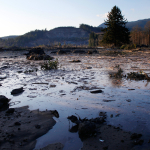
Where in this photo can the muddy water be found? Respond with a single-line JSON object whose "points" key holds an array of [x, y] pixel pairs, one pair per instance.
{"points": [[129, 108]]}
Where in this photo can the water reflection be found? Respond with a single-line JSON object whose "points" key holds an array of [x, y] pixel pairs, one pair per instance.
{"points": [[134, 114]]}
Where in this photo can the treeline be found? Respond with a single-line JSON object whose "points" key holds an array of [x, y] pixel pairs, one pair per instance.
{"points": [[138, 36], [24, 39], [141, 36], [90, 29]]}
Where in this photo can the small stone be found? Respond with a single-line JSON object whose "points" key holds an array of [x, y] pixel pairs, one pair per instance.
{"points": [[17, 91], [96, 91], [117, 115], [17, 123], [111, 116]]}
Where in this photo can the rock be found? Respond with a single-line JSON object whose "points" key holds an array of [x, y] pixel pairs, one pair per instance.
{"points": [[4, 100], [1, 105], [73, 119], [52, 85], [39, 57], [55, 113], [17, 123], [86, 129], [75, 61], [88, 67], [105, 100], [37, 54], [111, 116], [17, 91], [128, 100], [90, 52], [102, 114], [10, 111], [96, 91], [36, 51], [131, 89]]}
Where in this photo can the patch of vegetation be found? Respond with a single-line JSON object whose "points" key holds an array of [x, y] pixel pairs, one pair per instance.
{"points": [[138, 76], [93, 40], [114, 53], [49, 65], [118, 74], [128, 46]]}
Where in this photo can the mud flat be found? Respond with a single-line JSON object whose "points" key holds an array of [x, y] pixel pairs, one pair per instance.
{"points": [[69, 90], [20, 129]]}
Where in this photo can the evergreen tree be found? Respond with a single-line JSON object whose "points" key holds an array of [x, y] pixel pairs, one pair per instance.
{"points": [[116, 32]]}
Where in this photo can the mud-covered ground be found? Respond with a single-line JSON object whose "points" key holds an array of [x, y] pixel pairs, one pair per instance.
{"points": [[68, 90]]}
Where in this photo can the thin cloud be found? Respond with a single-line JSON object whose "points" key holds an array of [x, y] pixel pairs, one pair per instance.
{"points": [[133, 9], [102, 15]]}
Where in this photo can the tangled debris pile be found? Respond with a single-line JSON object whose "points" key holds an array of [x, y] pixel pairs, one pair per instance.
{"points": [[132, 75], [37, 54], [138, 76], [118, 74], [87, 127]]}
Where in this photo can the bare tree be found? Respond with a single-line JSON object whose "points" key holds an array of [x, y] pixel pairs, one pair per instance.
{"points": [[147, 30]]}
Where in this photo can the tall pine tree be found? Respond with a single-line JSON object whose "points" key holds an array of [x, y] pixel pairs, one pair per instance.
{"points": [[116, 32]]}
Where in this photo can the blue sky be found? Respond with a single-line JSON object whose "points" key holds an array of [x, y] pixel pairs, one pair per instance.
{"points": [[20, 16]]}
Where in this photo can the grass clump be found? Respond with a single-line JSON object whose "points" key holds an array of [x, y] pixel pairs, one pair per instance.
{"points": [[49, 65], [118, 74], [138, 76], [128, 46]]}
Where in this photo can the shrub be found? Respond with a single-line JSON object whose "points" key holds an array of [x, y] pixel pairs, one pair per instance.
{"points": [[128, 46], [118, 74], [122, 47], [48, 65]]}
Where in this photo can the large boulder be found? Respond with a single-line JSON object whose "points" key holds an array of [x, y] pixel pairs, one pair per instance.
{"points": [[17, 91], [37, 54], [3, 102]]}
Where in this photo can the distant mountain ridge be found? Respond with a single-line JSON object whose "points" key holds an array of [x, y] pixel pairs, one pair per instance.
{"points": [[141, 23], [63, 35], [10, 36]]}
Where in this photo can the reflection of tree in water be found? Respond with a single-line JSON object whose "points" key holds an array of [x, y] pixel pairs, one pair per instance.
{"points": [[116, 82]]}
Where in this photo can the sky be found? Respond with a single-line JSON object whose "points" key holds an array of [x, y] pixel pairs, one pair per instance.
{"points": [[18, 17]]}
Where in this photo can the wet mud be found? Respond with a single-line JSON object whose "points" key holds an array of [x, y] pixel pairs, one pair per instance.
{"points": [[83, 89]]}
